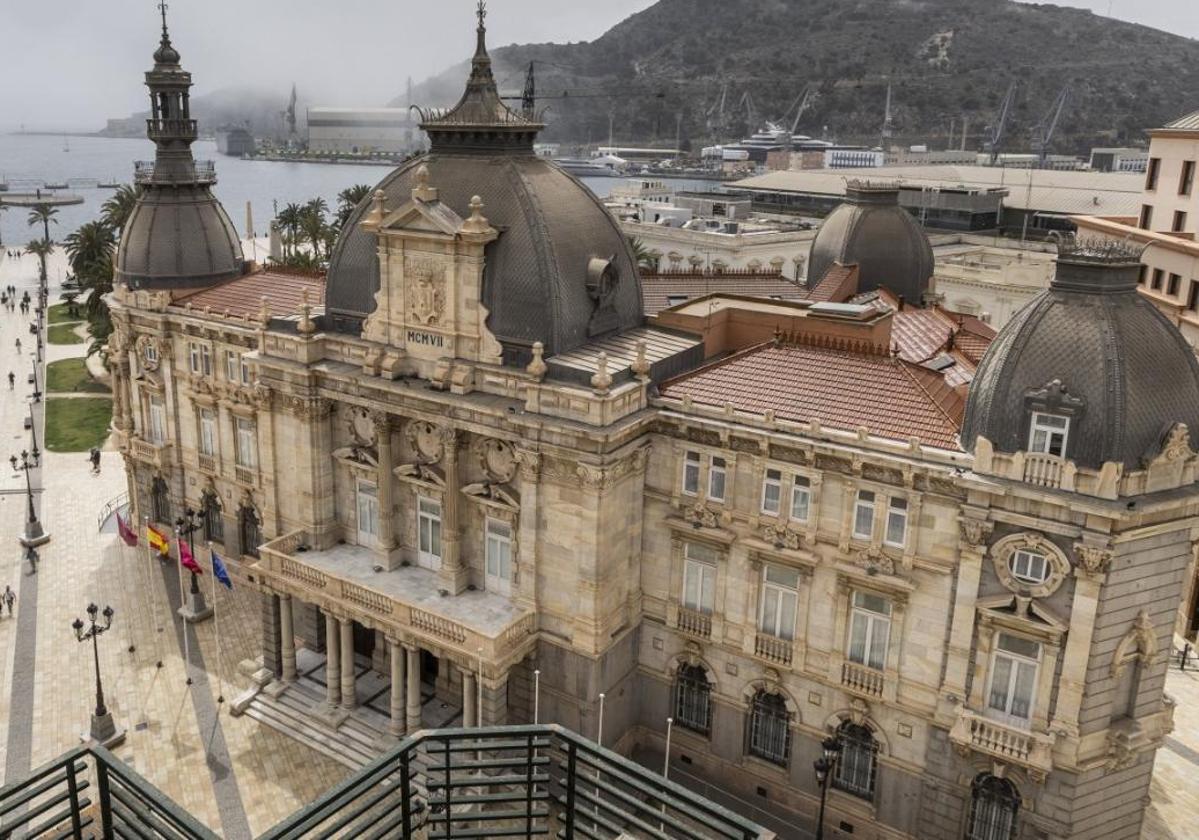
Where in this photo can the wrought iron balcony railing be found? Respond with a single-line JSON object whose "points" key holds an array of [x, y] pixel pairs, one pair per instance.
{"points": [[513, 781], [170, 128], [197, 172]]}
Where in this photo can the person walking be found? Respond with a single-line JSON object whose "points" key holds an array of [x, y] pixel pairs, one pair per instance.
{"points": [[12, 380], [18, 345], [94, 457], [10, 598]]}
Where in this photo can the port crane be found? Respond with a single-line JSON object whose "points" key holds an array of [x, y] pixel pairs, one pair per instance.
{"points": [[1048, 125], [800, 104], [998, 131]]}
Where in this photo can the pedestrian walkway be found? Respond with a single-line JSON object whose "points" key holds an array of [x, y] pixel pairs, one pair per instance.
{"points": [[1174, 794]]}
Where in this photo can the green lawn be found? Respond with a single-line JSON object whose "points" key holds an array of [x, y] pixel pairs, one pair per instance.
{"points": [[58, 313], [77, 424], [69, 375], [63, 334]]}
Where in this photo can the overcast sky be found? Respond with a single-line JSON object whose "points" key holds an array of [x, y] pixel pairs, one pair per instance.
{"points": [[68, 64]]}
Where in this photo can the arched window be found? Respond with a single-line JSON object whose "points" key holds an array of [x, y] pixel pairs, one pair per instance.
{"points": [[857, 765], [214, 525], [250, 530], [160, 500], [769, 728], [693, 699], [994, 803]]}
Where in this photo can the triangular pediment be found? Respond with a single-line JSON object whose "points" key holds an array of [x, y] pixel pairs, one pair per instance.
{"points": [[423, 217], [1023, 609]]}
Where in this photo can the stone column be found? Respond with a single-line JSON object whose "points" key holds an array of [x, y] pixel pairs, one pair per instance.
{"points": [[287, 638], [271, 654], [349, 697], [413, 692], [453, 573], [397, 725], [332, 661], [385, 478], [468, 699]]}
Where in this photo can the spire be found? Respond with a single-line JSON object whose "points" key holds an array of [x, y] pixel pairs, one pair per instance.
{"points": [[165, 54]]}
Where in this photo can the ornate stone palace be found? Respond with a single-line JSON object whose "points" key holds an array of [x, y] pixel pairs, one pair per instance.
{"points": [[465, 466]]}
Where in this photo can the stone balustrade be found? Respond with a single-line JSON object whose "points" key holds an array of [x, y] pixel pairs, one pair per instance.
{"points": [[773, 649], [206, 463], [245, 475], [158, 454], [694, 623], [858, 679], [1033, 750]]}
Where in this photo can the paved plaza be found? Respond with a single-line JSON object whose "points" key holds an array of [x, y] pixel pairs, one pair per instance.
{"points": [[234, 773]]}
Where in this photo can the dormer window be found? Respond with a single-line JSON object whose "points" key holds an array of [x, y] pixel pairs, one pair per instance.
{"points": [[1048, 433]]}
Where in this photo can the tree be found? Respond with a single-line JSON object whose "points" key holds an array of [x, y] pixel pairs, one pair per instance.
{"points": [[348, 199], [312, 224], [289, 220], [43, 214], [90, 250], [641, 255], [119, 207], [40, 248]]}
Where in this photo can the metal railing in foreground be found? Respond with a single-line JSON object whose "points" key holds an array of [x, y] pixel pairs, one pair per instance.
{"points": [[88, 793], [442, 784]]}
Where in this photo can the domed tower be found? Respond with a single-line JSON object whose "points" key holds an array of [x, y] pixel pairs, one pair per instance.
{"points": [[1089, 371], [178, 236], [872, 231], [558, 271]]}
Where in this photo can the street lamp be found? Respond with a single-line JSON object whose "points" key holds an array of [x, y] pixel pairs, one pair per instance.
{"points": [[195, 609], [37, 393], [103, 729], [825, 766], [35, 454], [34, 535]]}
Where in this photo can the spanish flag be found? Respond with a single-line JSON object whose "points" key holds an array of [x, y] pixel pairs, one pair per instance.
{"points": [[158, 540]]}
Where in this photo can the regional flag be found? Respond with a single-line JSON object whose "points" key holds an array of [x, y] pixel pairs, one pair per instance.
{"points": [[158, 540], [187, 561], [128, 535], [219, 571]]}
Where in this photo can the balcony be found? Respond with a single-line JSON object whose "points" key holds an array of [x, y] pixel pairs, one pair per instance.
{"points": [[245, 475], [858, 679], [1046, 471], [202, 172], [1033, 750], [156, 129], [694, 622], [773, 649], [206, 463], [408, 598], [156, 454]]}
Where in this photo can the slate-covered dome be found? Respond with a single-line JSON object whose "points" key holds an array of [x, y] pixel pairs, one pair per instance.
{"points": [[873, 231], [539, 283], [1091, 348]]}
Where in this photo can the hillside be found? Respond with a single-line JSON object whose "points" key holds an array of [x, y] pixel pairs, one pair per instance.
{"points": [[945, 59]]}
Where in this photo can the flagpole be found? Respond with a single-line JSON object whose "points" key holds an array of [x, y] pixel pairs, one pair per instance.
{"points": [[128, 610], [187, 653], [150, 593], [216, 631]]}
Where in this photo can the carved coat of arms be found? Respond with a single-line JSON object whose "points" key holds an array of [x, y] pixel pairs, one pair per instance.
{"points": [[426, 292]]}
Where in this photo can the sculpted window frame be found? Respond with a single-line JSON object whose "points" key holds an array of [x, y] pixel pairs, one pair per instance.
{"points": [[1004, 551]]}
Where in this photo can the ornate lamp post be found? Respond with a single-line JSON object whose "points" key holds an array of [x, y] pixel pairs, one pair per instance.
{"points": [[34, 535], [37, 391], [194, 608], [824, 766], [103, 729], [36, 453]]}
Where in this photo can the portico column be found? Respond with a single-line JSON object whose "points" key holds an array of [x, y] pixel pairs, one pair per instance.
{"points": [[468, 699], [413, 692], [385, 478], [287, 638], [398, 660], [349, 697], [332, 660]]}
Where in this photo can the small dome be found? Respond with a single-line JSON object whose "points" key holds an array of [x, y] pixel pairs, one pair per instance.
{"points": [[1092, 349], [871, 230]]}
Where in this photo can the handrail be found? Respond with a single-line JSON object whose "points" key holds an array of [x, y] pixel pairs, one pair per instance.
{"points": [[113, 504]]}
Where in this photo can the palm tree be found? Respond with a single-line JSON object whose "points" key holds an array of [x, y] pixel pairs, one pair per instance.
{"points": [[641, 254], [90, 250], [312, 224], [289, 220], [348, 199], [43, 214], [116, 210], [40, 248]]}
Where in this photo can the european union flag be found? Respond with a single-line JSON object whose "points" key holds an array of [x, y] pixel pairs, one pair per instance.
{"points": [[219, 571]]}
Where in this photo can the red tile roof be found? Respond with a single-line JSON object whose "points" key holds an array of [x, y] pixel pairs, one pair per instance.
{"points": [[242, 296], [842, 388], [658, 289], [838, 284]]}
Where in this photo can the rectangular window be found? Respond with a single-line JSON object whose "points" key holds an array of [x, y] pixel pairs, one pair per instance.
{"points": [[1029, 567], [1180, 221], [716, 477], [1187, 179], [205, 360], [1172, 286], [869, 630], [368, 513], [232, 365], [1154, 167], [1193, 297], [428, 526], [897, 522], [780, 601], [158, 419], [863, 515], [1047, 435], [245, 370], [1013, 679], [691, 473], [499, 557], [247, 443], [772, 492], [1146, 216], [699, 577], [1158, 274], [801, 498], [207, 431], [1144, 273], [193, 357]]}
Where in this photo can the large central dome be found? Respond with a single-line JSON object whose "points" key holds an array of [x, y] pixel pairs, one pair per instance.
{"points": [[540, 280]]}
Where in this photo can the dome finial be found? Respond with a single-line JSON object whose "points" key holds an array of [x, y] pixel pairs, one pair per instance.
{"points": [[165, 54]]}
